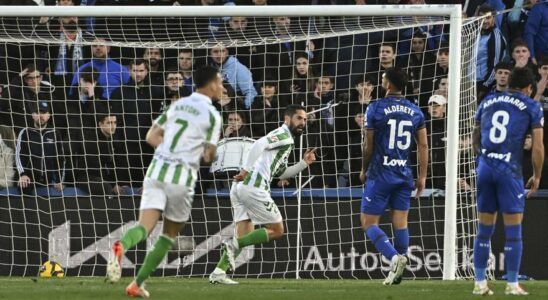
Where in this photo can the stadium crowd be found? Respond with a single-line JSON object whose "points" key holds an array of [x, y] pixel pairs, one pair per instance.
{"points": [[75, 115]]}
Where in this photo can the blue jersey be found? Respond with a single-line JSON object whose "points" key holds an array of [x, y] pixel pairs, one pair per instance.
{"points": [[505, 119], [395, 122]]}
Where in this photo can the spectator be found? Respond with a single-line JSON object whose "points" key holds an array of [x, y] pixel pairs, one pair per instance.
{"points": [[349, 172], [236, 125], [39, 152], [386, 60], [420, 61], [517, 18], [364, 91], [542, 84], [536, 30], [154, 56], [112, 75], [103, 167], [527, 165], [280, 57], [141, 104], [233, 72], [502, 74], [7, 151], [175, 86], [267, 110], [491, 51], [521, 56], [26, 91], [186, 67], [436, 125], [64, 60], [228, 102], [304, 79], [432, 77]]}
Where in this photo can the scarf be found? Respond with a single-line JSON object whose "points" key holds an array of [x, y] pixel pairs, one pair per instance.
{"points": [[61, 66]]}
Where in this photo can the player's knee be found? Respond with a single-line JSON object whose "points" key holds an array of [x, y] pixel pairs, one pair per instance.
{"points": [[276, 232]]}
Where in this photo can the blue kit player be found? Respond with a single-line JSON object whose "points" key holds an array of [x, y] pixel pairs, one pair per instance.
{"points": [[502, 122], [391, 124]]}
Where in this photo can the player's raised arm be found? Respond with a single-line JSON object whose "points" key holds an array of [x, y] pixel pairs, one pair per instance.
{"points": [[538, 160], [155, 135]]}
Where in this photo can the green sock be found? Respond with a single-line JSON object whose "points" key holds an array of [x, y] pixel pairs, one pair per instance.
{"points": [[133, 236], [154, 258], [223, 262], [257, 236]]}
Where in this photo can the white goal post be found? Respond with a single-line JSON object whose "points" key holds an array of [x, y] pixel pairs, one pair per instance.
{"points": [[453, 13]]}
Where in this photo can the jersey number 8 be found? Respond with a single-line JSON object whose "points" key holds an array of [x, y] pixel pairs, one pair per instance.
{"points": [[498, 132]]}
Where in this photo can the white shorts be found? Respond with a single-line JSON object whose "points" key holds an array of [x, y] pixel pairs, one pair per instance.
{"points": [[173, 199], [255, 204]]}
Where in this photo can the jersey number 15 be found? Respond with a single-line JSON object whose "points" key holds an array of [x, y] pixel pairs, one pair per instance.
{"points": [[403, 135]]}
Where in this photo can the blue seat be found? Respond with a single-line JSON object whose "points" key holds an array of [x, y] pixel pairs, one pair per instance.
{"points": [[11, 191]]}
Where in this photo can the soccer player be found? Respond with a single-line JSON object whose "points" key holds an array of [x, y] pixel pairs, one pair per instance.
{"points": [[390, 125], [502, 122], [250, 196], [187, 132]]}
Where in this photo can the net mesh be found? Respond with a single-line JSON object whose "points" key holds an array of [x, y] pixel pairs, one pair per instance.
{"points": [[100, 110]]}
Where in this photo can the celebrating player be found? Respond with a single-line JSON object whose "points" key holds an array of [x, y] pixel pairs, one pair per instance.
{"points": [[390, 125], [502, 122], [185, 133], [250, 198]]}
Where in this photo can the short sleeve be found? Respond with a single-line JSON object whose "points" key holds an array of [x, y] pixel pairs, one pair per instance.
{"points": [[479, 112], [161, 120], [420, 120], [214, 130], [369, 120], [537, 115]]}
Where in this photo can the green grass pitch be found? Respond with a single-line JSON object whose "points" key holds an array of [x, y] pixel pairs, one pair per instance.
{"points": [[256, 289]]}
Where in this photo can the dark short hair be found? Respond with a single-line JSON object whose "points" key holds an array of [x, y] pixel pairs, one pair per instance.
{"points": [[239, 113], [391, 45], [204, 75], [30, 69], [444, 48], [521, 78], [504, 66], [292, 109], [419, 35], [100, 118], [485, 8], [366, 78], [519, 43], [397, 77], [89, 75], [172, 71], [269, 81], [138, 62], [185, 50]]}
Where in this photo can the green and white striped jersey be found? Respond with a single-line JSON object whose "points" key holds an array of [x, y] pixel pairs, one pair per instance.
{"points": [[272, 162], [188, 124]]}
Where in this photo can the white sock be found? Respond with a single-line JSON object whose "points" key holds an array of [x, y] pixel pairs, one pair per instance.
{"points": [[513, 284], [394, 259], [219, 271], [481, 283]]}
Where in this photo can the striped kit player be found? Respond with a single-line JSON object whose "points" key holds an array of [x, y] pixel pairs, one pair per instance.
{"points": [[185, 134], [251, 201]]}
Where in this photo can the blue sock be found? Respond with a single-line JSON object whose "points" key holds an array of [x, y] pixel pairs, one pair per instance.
{"points": [[401, 240], [512, 251], [381, 242], [482, 247]]}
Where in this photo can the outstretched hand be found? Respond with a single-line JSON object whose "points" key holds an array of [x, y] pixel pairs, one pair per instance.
{"points": [[310, 156], [240, 176]]}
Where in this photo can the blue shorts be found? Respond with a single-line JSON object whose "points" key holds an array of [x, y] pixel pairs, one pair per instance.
{"points": [[380, 194], [499, 192]]}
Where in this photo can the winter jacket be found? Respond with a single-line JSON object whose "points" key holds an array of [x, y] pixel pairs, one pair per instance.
{"points": [[7, 151], [239, 78], [536, 29], [39, 155], [112, 75], [496, 52]]}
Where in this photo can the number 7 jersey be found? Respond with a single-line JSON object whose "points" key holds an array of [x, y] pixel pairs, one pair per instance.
{"points": [[505, 119], [395, 122], [188, 124]]}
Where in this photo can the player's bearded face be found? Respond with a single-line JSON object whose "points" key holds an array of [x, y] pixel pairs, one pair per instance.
{"points": [[297, 123]]}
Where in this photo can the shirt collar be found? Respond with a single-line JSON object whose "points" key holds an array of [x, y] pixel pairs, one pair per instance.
{"points": [[286, 128], [202, 97]]}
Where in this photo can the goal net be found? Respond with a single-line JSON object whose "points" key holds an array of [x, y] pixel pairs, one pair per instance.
{"points": [[79, 93]]}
